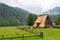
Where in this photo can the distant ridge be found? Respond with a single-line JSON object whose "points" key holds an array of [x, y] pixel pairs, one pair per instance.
{"points": [[54, 11], [12, 15]]}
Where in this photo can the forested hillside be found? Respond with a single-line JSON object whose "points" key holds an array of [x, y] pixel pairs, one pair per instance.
{"points": [[53, 13], [12, 15]]}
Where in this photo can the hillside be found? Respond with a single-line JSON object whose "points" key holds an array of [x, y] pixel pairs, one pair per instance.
{"points": [[53, 17], [54, 11], [12, 15]]}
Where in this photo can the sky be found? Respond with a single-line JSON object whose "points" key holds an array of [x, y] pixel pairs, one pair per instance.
{"points": [[33, 6]]}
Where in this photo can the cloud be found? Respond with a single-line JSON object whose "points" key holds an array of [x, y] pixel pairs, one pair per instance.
{"points": [[45, 4], [32, 5], [9, 2]]}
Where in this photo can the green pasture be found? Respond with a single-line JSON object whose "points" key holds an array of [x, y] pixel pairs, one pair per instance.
{"points": [[49, 33], [14, 32]]}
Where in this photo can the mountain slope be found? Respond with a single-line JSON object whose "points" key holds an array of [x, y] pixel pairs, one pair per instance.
{"points": [[12, 15], [54, 11]]}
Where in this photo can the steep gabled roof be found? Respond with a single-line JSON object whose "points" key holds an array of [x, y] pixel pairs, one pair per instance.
{"points": [[41, 18]]}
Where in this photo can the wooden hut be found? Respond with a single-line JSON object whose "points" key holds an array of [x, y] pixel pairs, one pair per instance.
{"points": [[43, 21]]}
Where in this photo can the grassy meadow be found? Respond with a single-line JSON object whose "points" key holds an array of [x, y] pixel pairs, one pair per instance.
{"points": [[49, 33], [12, 31]]}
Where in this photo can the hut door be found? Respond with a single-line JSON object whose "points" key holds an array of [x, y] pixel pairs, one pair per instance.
{"points": [[38, 24]]}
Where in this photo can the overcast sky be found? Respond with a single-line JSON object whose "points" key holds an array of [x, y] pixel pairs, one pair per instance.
{"points": [[34, 6]]}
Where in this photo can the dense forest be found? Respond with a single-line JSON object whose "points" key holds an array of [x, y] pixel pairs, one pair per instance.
{"points": [[12, 15]]}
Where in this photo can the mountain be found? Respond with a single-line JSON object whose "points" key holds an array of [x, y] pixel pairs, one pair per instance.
{"points": [[12, 15], [54, 11]]}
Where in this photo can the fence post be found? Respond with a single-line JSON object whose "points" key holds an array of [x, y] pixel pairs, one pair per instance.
{"points": [[2, 37], [23, 37], [41, 34], [10, 38]]}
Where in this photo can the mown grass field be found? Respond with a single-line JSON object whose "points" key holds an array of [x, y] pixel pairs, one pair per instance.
{"points": [[14, 32], [49, 33]]}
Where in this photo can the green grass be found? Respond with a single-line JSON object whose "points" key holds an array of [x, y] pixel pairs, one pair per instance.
{"points": [[50, 33], [14, 32]]}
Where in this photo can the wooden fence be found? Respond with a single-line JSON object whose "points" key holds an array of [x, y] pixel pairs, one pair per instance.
{"points": [[23, 37]]}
